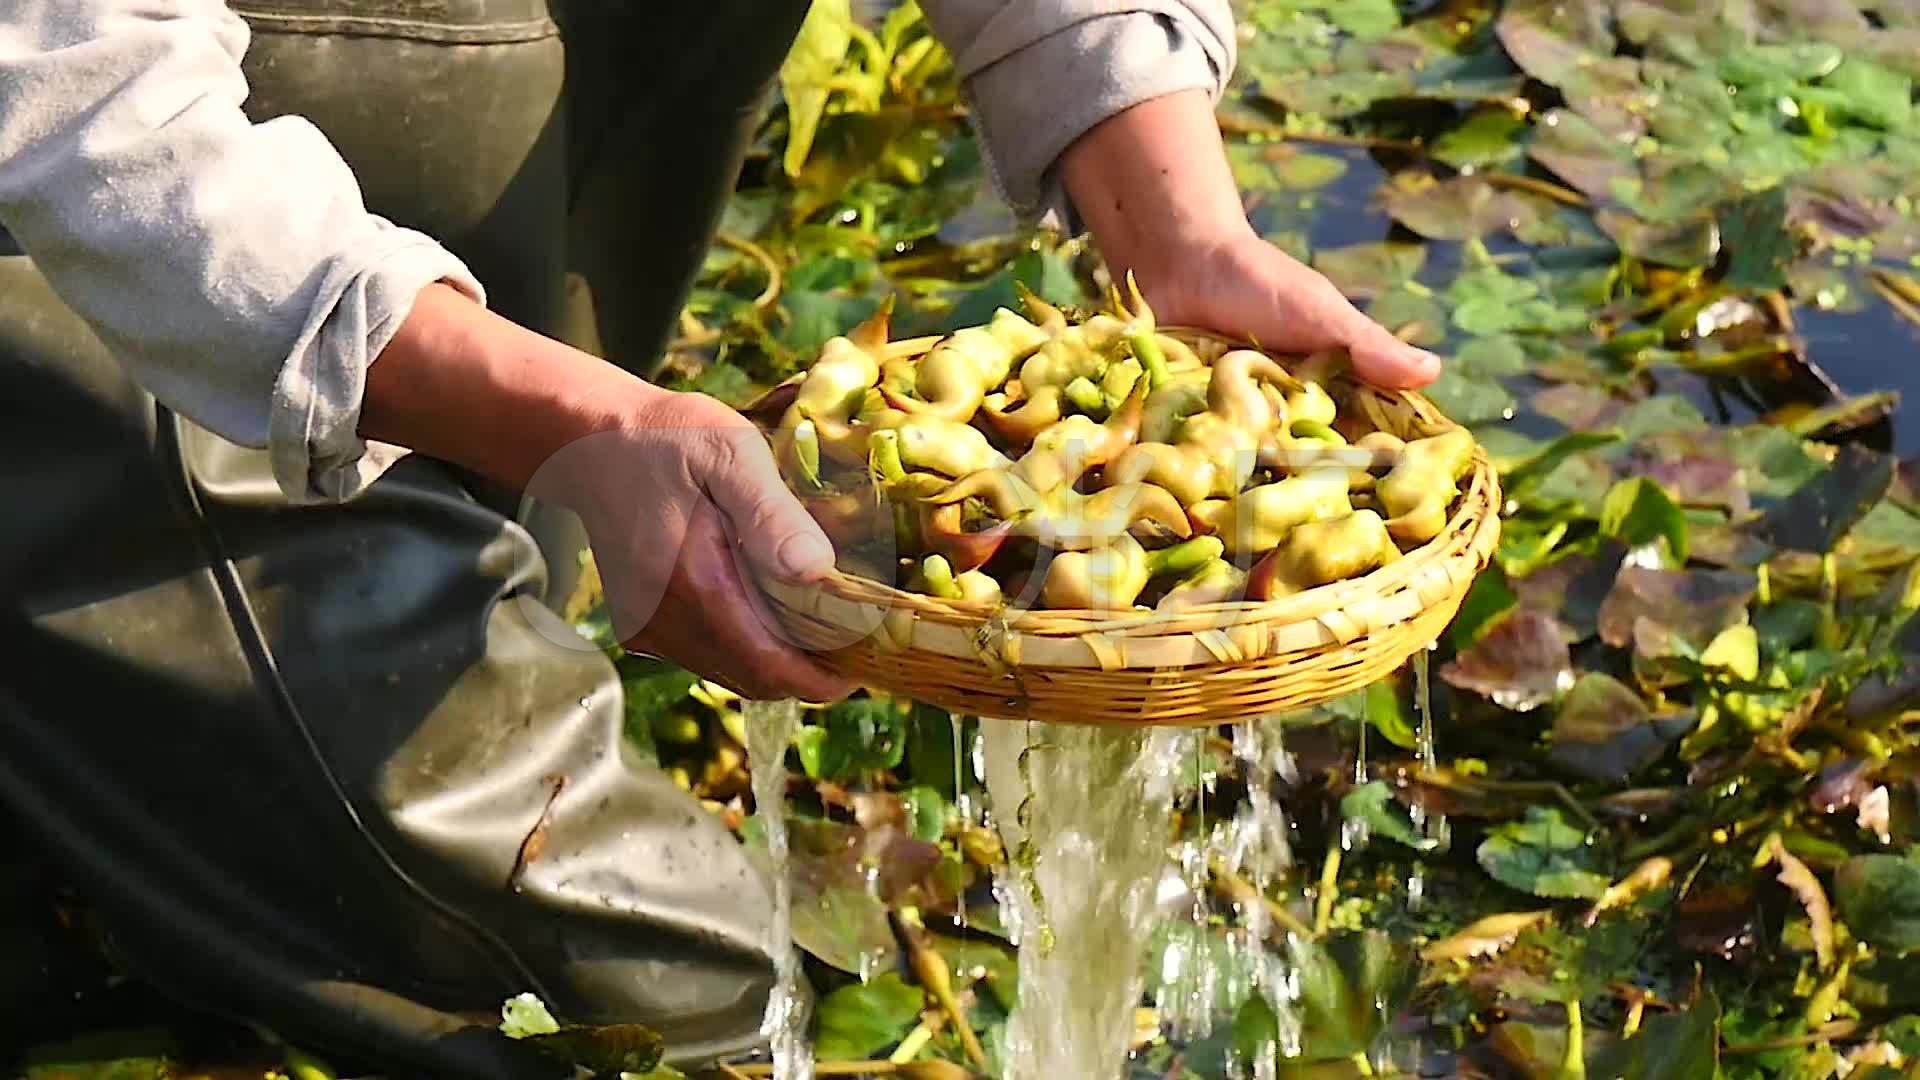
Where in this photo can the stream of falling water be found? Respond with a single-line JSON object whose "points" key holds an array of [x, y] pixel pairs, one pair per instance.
{"points": [[1431, 827], [1084, 814], [770, 727]]}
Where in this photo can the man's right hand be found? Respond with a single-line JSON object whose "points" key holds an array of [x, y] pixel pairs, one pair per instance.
{"points": [[679, 494]]}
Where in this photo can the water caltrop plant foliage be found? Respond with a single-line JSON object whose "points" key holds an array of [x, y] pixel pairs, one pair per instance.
{"points": [[1672, 757], [1667, 822]]}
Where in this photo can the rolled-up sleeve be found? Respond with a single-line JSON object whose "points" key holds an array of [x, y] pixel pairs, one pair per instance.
{"points": [[231, 266], [1040, 73]]}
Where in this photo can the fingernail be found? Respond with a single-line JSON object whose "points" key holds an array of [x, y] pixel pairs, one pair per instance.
{"points": [[1427, 363], [805, 556]]}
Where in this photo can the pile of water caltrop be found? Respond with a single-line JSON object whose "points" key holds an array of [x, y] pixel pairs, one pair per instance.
{"points": [[1085, 815]]}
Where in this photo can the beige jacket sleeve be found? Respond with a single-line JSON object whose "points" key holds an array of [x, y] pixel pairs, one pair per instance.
{"points": [[230, 266], [1039, 73]]}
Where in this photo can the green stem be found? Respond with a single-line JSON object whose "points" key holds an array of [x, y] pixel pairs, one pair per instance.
{"points": [[1185, 557], [1329, 889], [937, 575], [1146, 349], [1085, 396], [1574, 1065]]}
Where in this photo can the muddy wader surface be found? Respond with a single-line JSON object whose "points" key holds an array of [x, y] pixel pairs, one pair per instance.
{"points": [[291, 755]]}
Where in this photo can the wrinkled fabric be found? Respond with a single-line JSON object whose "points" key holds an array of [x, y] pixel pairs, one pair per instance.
{"points": [[233, 266], [1041, 74]]}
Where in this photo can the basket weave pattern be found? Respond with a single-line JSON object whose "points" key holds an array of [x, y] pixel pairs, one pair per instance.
{"points": [[1204, 665]]}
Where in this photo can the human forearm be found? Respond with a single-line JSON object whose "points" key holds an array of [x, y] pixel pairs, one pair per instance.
{"points": [[1040, 73], [462, 384], [1152, 183]]}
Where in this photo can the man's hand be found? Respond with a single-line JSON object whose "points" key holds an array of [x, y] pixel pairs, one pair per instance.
{"points": [[1154, 185], [679, 494]]}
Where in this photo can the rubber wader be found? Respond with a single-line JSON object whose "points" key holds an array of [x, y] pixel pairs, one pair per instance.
{"points": [[292, 755]]}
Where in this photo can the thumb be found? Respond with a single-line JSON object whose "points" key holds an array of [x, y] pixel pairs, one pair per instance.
{"points": [[777, 534], [1389, 363]]}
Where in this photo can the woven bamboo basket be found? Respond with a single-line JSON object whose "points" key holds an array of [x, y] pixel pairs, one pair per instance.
{"points": [[1200, 666]]}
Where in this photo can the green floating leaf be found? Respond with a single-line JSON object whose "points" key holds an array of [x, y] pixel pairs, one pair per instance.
{"points": [[1523, 477], [1604, 732], [1462, 208], [1638, 511], [1581, 154], [1490, 136], [1373, 804], [1758, 244], [1545, 856], [1364, 271], [1552, 41], [1871, 94], [807, 71], [1414, 317], [1878, 897], [857, 1020], [1669, 1045]]}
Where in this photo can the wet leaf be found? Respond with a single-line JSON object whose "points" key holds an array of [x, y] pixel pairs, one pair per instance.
{"points": [[1373, 804], [861, 1019], [1680, 244], [1827, 507], [1462, 208], [1878, 897], [984, 961], [1488, 137], [1520, 663], [1551, 40], [1484, 937], [1697, 604], [1523, 477], [1414, 318], [1351, 986], [1387, 712], [1364, 271], [1603, 730], [855, 736], [1489, 597], [1759, 247], [1639, 511], [1871, 94], [1581, 154], [810, 66], [1544, 855], [1674, 1044], [1575, 586]]}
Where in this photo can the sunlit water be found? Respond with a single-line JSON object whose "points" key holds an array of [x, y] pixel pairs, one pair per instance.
{"points": [[1084, 813], [770, 727]]}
